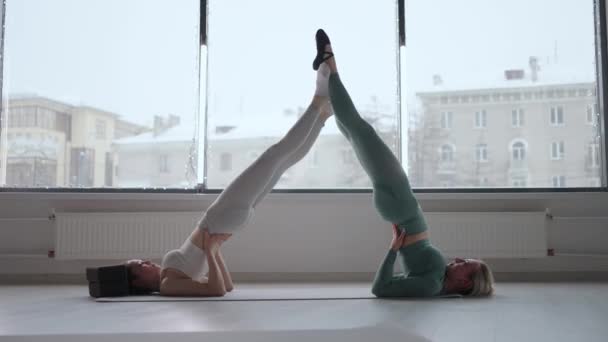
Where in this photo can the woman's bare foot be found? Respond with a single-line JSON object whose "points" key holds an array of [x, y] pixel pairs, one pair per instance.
{"points": [[330, 59]]}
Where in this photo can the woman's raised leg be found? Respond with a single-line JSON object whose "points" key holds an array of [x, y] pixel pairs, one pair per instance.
{"points": [[393, 195]]}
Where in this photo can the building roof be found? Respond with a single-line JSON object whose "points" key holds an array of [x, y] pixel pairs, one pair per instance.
{"points": [[28, 99], [548, 75], [248, 128]]}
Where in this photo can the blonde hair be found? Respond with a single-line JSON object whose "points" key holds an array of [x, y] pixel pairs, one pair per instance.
{"points": [[483, 282]]}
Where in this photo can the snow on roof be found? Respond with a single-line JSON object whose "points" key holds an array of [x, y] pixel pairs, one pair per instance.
{"points": [[178, 133], [251, 127], [548, 75]]}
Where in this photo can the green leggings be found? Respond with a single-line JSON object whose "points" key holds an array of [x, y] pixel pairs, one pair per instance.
{"points": [[393, 196]]}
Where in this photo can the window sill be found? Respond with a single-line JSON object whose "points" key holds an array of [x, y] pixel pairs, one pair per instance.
{"points": [[435, 194]]}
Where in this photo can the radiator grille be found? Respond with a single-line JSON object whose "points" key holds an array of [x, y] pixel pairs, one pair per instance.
{"points": [[489, 234], [121, 235]]}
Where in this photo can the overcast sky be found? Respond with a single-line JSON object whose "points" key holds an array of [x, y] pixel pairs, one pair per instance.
{"points": [[139, 58]]}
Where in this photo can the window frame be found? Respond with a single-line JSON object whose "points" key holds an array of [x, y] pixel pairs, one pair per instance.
{"points": [[522, 152], [481, 119], [590, 114], [600, 32], [517, 118], [555, 109], [452, 151], [557, 150], [481, 153], [558, 181], [447, 119], [225, 162], [163, 163]]}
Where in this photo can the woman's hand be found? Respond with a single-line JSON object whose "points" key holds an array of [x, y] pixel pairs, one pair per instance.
{"points": [[210, 243], [214, 241], [219, 238], [398, 239], [222, 237]]}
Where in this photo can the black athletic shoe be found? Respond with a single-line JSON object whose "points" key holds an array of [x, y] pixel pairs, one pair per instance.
{"points": [[322, 40]]}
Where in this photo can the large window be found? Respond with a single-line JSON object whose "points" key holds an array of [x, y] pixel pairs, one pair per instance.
{"points": [[121, 94], [517, 80], [93, 87], [261, 80]]}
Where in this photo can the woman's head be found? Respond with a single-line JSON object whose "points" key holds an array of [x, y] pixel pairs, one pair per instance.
{"points": [[144, 275], [470, 277]]}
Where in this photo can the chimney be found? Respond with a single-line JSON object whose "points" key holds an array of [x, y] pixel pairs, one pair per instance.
{"points": [[437, 81], [534, 68], [159, 124], [162, 124], [222, 129], [173, 121], [514, 74]]}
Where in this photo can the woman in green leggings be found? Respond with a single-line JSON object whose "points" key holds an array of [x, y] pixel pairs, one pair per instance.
{"points": [[427, 273]]}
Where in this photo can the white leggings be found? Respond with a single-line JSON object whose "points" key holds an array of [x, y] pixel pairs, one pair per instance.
{"points": [[234, 207]]}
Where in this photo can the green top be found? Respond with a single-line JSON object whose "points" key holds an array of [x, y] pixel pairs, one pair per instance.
{"points": [[424, 268]]}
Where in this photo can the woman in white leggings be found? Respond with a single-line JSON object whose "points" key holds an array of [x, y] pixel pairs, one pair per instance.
{"points": [[182, 271]]}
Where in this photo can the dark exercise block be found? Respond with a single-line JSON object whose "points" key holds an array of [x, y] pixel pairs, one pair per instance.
{"points": [[116, 273], [108, 289], [108, 281]]}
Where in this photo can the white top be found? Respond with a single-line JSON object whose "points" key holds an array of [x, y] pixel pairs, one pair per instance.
{"points": [[189, 259]]}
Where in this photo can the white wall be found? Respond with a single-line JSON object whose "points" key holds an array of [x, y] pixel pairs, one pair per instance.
{"points": [[313, 233]]}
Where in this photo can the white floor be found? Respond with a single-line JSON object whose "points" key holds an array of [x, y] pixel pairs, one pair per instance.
{"points": [[518, 312]]}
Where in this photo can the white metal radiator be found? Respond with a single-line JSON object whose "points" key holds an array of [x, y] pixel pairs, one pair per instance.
{"points": [[126, 235], [489, 234], [121, 235]]}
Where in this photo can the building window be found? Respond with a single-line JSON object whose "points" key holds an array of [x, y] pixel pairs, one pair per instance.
{"points": [[82, 167], [31, 172], [446, 120], [557, 116], [109, 171], [592, 114], [557, 150], [519, 182], [517, 117], [348, 156], [518, 151], [481, 119], [559, 181], [163, 163], [481, 153], [100, 129], [225, 162], [313, 159], [447, 153], [594, 155]]}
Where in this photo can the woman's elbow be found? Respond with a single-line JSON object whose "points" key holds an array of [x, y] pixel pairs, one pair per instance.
{"points": [[378, 291], [219, 292]]}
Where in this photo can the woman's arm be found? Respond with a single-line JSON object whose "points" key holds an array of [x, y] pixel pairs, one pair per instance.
{"points": [[384, 275], [400, 286], [215, 280], [187, 287], [225, 273]]}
